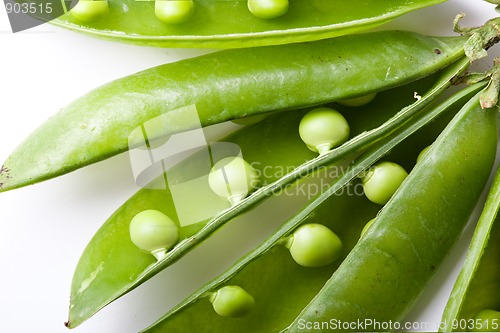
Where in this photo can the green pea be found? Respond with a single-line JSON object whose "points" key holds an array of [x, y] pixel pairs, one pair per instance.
{"points": [[233, 178], [232, 301], [487, 321], [422, 153], [153, 231], [367, 226], [90, 10], [358, 101], [268, 9], [174, 11], [322, 129], [382, 181], [314, 245]]}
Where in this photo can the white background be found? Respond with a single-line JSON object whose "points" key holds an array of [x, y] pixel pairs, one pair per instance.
{"points": [[45, 227]]}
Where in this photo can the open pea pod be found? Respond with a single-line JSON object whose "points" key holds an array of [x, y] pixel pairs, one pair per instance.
{"points": [[214, 88], [474, 304], [229, 23], [103, 276], [286, 288], [386, 271]]}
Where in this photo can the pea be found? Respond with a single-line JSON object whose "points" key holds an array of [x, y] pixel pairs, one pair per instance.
{"points": [[382, 181], [268, 9], [358, 101], [232, 301], [90, 10], [322, 129], [314, 245], [272, 142], [252, 139], [487, 321], [439, 196], [367, 226], [282, 275], [422, 153], [474, 296], [152, 231], [249, 120], [233, 178], [174, 11]]}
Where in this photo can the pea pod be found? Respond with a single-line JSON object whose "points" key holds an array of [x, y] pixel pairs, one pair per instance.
{"points": [[230, 24], [399, 254], [478, 284], [218, 87], [110, 283], [286, 288]]}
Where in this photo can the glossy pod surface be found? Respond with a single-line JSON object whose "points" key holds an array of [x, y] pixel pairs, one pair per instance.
{"points": [[280, 286], [278, 133], [276, 307], [385, 272], [478, 284], [230, 24], [222, 86]]}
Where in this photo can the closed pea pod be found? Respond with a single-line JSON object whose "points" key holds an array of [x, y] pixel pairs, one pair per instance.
{"points": [[474, 304], [398, 252], [218, 87]]}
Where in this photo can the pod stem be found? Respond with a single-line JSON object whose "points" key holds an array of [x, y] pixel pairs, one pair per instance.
{"points": [[489, 96], [481, 38]]}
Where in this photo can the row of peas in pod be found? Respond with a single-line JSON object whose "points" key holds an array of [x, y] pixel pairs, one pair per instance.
{"points": [[228, 24], [314, 266], [175, 11]]}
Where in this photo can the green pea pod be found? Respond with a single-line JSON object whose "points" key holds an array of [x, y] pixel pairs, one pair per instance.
{"points": [[230, 24], [278, 131], [286, 288], [113, 279], [478, 284], [218, 87], [385, 272]]}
